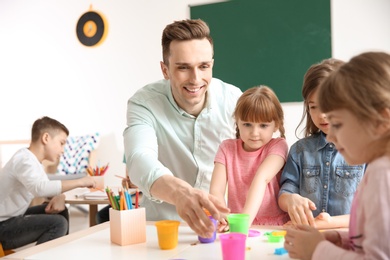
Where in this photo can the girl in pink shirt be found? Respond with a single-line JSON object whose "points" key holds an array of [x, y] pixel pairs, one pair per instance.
{"points": [[250, 166], [356, 100]]}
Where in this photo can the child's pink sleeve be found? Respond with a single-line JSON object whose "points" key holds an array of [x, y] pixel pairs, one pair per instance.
{"points": [[279, 147], [328, 250]]}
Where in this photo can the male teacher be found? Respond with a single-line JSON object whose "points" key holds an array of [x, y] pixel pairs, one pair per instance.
{"points": [[174, 128]]}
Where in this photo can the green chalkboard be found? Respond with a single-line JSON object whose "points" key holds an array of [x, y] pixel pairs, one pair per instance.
{"points": [[267, 42]]}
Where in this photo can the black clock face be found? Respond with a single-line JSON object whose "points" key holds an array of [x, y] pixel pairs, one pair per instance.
{"points": [[90, 29]]}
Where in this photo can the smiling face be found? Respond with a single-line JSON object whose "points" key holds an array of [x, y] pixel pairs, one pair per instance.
{"points": [[319, 118], [190, 72], [351, 137], [255, 135]]}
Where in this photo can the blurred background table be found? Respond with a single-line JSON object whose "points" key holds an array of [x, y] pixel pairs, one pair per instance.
{"points": [[75, 197]]}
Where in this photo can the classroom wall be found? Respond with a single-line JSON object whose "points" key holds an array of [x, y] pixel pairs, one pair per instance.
{"points": [[44, 70]]}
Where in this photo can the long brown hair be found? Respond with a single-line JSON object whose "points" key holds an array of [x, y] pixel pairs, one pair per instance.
{"points": [[314, 76]]}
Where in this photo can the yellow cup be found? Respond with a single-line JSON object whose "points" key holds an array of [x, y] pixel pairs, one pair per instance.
{"points": [[167, 232]]}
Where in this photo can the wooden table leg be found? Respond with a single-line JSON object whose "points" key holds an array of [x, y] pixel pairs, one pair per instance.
{"points": [[92, 214]]}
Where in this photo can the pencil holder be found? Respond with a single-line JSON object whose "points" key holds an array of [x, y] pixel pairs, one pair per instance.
{"points": [[128, 227], [99, 180]]}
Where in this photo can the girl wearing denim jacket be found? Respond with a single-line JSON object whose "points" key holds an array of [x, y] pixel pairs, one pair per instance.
{"points": [[317, 184]]}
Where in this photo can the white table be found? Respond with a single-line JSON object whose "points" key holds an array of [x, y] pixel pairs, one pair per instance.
{"points": [[95, 243]]}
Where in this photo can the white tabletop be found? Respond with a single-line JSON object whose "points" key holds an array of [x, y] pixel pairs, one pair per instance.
{"points": [[95, 243]]}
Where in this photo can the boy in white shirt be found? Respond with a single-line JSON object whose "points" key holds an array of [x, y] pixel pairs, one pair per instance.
{"points": [[23, 178]]}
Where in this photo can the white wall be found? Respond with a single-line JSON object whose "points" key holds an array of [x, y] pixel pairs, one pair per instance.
{"points": [[44, 70]]}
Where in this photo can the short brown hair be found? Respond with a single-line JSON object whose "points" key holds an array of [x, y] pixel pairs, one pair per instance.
{"points": [[183, 30], [46, 125], [259, 104]]}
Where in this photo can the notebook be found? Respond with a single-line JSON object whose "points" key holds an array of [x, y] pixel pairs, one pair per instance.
{"points": [[95, 195]]}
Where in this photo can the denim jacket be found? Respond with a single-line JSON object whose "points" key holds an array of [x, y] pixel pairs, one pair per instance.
{"points": [[317, 171]]}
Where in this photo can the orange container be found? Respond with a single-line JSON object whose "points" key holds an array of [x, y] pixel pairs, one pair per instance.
{"points": [[168, 233]]}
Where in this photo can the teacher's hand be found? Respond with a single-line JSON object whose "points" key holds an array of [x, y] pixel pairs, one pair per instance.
{"points": [[190, 206]]}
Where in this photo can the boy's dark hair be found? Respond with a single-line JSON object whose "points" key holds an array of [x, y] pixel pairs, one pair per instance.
{"points": [[183, 30], [46, 125]]}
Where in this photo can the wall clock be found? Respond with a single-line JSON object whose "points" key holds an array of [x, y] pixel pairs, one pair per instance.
{"points": [[91, 28]]}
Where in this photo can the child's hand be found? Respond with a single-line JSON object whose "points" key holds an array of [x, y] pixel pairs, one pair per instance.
{"points": [[87, 182], [56, 204], [333, 237], [323, 220], [301, 242], [300, 210], [288, 224], [223, 225]]}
